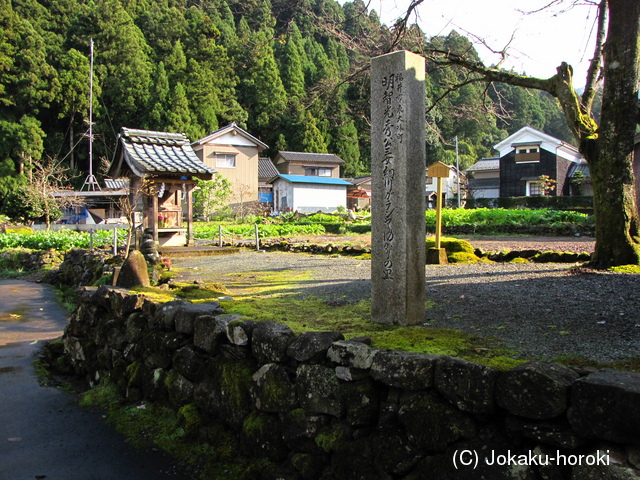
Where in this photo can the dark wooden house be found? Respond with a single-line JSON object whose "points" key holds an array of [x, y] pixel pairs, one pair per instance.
{"points": [[529, 154], [162, 169]]}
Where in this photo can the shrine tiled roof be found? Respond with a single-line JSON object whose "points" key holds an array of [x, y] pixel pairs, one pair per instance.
{"points": [[149, 152]]}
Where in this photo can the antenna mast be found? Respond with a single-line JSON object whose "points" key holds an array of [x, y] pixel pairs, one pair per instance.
{"points": [[91, 182]]}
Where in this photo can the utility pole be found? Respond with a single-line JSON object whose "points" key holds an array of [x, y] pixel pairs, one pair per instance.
{"points": [[90, 182]]}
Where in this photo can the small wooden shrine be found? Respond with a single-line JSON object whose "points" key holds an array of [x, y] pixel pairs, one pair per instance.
{"points": [[162, 169]]}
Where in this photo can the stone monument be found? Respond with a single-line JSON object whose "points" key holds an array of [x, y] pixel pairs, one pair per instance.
{"points": [[398, 188]]}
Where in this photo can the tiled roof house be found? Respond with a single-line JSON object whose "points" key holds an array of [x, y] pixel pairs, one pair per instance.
{"points": [[308, 164]]}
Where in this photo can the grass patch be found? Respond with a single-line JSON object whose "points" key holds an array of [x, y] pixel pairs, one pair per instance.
{"points": [[152, 425], [67, 297], [205, 291], [266, 296], [354, 320], [270, 282]]}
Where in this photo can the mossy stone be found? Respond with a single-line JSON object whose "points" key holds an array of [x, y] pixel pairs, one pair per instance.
{"points": [[432, 423], [134, 272], [190, 419]]}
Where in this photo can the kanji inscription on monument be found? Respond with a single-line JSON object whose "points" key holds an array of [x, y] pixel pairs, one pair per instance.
{"points": [[398, 188]]}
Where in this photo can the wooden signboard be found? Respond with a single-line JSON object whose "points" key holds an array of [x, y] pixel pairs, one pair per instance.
{"points": [[438, 170]]}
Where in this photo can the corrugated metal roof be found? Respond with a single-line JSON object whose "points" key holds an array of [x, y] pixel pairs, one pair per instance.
{"points": [[116, 183], [582, 167], [310, 157], [266, 168], [314, 180], [485, 164], [161, 152]]}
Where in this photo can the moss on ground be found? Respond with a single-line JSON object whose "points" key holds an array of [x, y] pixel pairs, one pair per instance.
{"points": [[152, 425], [458, 251], [630, 364], [204, 291], [632, 269], [270, 282]]}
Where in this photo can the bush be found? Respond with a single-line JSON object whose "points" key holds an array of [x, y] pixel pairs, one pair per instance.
{"points": [[209, 231], [61, 240], [526, 221]]}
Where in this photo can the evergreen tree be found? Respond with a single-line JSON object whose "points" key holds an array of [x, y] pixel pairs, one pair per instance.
{"points": [[121, 58], [311, 138], [201, 91], [222, 17], [345, 145], [73, 100], [179, 116], [293, 56], [158, 100], [176, 63], [261, 91]]}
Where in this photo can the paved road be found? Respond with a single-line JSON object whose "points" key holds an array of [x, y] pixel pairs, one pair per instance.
{"points": [[43, 432]]}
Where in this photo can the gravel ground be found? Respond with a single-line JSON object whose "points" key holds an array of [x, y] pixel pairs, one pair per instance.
{"points": [[540, 310]]}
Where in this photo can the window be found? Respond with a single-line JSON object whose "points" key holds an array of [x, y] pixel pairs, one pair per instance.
{"points": [[534, 189], [527, 154], [225, 160], [528, 150], [317, 172]]}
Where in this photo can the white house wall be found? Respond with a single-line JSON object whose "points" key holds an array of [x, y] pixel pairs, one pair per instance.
{"points": [[282, 195], [232, 139], [311, 198], [308, 198], [533, 136]]}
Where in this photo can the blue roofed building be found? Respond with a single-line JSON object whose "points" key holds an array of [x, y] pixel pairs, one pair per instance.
{"points": [[308, 194]]}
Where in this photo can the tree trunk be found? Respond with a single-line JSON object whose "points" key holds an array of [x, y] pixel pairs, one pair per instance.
{"points": [[610, 155]]}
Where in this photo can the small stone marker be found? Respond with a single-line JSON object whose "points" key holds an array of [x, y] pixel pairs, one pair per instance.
{"points": [[134, 271], [398, 188], [438, 255]]}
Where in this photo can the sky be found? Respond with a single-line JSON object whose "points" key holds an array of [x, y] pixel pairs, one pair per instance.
{"points": [[541, 41]]}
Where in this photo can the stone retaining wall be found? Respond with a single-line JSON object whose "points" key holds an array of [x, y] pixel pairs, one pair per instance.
{"points": [[314, 406]]}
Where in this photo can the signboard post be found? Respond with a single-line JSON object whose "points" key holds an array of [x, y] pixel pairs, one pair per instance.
{"points": [[438, 255]]}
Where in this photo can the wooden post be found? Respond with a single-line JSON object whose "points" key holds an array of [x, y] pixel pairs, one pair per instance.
{"points": [[154, 214], [220, 236], [190, 240], [438, 255], [257, 239], [439, 212]]}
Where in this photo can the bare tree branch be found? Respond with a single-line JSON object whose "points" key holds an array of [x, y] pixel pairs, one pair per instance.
{"points": [[594, 73], [400, 26]]}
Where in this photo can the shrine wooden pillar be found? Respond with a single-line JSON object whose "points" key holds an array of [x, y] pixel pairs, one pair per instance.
{"points": [[189, 199], [154, 215]]}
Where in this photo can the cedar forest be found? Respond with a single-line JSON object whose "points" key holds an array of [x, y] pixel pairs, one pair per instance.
{"points": [[292, 73]]}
